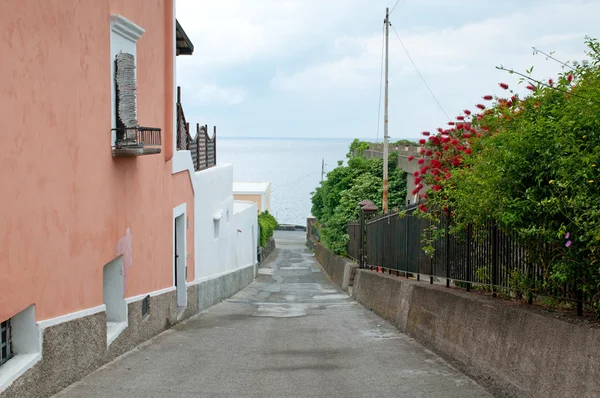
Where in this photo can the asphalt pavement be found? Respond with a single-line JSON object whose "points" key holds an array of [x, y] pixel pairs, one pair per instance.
{"points": [[291, 333]]}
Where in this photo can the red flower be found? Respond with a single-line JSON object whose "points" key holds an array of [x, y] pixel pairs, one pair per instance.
{"points": [[514, 98], [466, 135], [467, 112], [503, 85], [422, 151], [446, 147], [426, 133], [479, 117], [410, 158], [448, 175], [421, 161], [441, 130], [488, 97], [454, 141], [460, 126], [570, 77], [416, 173], [468, 151], [450, 123], [415, 191], [509, 103], [437, 179], [530, 87], [417, 180], [422, 141], [428, 153], [550, 82], [425, 196], [423, 208], [436, 188], [460, 118], [480, 106]]}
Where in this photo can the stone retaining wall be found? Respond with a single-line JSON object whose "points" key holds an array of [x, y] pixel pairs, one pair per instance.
{"points": [[512, 349]]}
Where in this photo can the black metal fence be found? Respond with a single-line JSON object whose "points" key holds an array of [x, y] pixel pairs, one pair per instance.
{"points": [[486, 255], [354, 242]]}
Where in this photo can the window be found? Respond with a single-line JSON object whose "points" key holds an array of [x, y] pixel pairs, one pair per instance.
{"points": [[216, 224], [145, 306], [6, 351]]}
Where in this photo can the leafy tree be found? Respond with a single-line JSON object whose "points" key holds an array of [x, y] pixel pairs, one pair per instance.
{"points": [[335, 202], [531, 164]]}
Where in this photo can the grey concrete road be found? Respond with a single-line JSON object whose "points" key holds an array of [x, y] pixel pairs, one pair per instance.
{"points": [[291, 333]]}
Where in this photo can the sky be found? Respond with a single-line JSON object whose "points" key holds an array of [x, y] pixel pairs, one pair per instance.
{"points": [[312, 68]]}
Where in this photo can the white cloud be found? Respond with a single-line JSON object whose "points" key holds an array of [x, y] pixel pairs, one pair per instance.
{"points": [[211, 94], [456, 54]]}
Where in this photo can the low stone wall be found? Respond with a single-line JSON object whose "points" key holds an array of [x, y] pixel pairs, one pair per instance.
{"points": [[339, 269], [266, 251], [511, 349], [73, 349]]}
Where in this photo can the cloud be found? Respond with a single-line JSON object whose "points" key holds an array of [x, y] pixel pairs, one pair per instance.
{"points": [[320, 61], [211, 94]]}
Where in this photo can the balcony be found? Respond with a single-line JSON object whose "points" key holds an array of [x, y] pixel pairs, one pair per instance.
{"points": [[202, 147], [136, 141]]}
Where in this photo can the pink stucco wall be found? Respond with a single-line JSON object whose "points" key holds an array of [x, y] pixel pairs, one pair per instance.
{"points": [[65, 201]]}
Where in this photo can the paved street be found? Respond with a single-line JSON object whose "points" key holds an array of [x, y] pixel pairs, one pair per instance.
{"points": [[291, 333]]}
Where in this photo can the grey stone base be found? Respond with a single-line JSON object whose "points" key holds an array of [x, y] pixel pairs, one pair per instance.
{"points": [[213, 291], [266, 251], [73, 349]]}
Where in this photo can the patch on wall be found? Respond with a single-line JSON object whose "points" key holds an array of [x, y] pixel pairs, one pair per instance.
{"points": [[125, 249]]}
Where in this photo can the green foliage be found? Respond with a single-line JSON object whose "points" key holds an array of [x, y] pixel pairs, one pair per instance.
{"points": [[267, 224], [356, 148], [335, 202], [404, 142], [536, 170]]}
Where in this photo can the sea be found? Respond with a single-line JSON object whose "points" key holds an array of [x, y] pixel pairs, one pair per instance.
{"points": [[292, 165]]}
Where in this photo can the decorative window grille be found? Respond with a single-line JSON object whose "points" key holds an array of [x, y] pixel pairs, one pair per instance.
{"points": [[6, 352]]}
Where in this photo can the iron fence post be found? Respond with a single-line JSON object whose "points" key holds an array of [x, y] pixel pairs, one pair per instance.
{"points": [[494, 279], [447, 259], [468, 255]]}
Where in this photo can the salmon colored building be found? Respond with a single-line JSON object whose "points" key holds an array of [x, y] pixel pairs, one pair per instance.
{"points": [[97, 215]]}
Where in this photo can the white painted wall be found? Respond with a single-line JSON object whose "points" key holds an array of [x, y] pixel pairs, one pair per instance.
{"points": [[213, 204], [245, 215]]}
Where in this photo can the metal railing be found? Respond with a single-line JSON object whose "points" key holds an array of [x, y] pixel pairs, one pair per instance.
{"points": [[354, 240], [137, 137], [203, 148], [485, 255]]}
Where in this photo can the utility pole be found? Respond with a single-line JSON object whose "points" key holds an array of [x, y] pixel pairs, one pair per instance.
{"points": [[385, 115], [322, 168]]}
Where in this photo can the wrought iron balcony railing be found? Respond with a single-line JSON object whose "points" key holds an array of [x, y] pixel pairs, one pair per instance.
{"points": [[137, 141]]}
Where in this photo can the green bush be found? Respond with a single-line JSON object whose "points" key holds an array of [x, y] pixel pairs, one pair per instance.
{"points": [[335, 202], [532, 164], [267, 224]]}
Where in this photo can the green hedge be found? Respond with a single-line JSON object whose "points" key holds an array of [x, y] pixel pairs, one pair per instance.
{"points": [[267, 224]]}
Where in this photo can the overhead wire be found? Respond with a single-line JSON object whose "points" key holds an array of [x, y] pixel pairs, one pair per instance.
{"points": [[419, 73], [394, 7], [295, 181]]}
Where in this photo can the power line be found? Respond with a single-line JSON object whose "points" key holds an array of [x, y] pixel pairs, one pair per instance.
{"points": [[394, 7], [420, 75], [380, 83], [295, 181]]}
